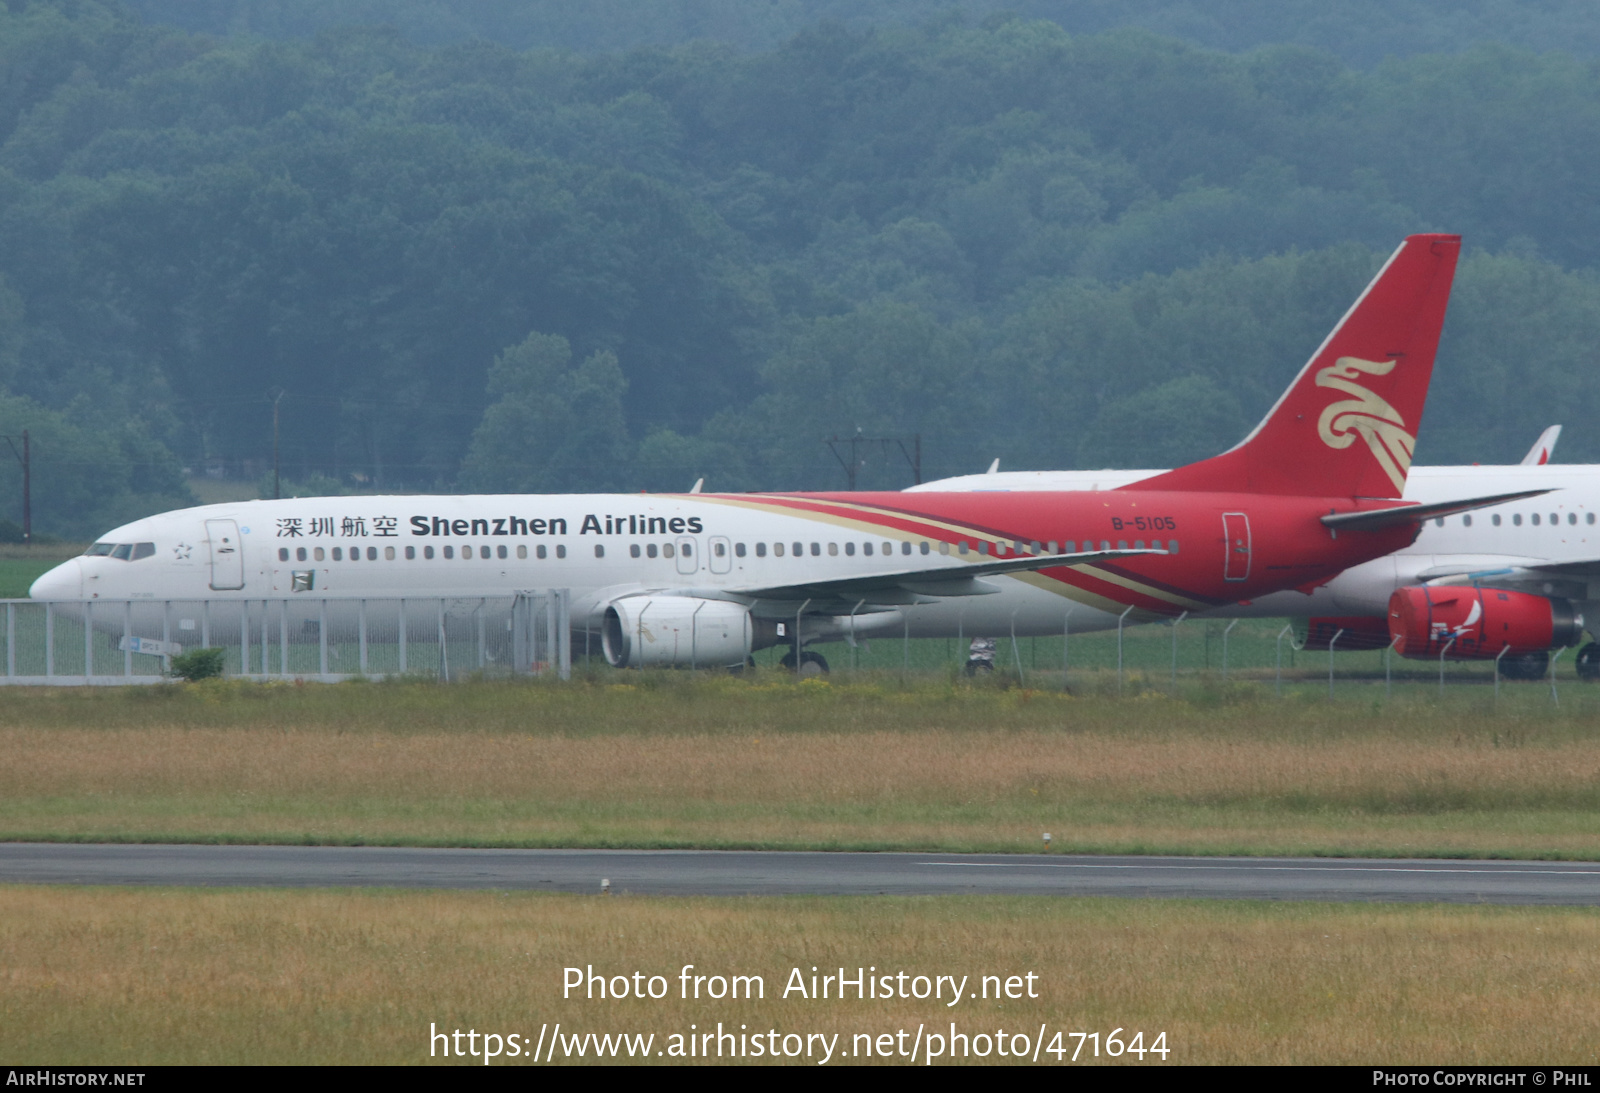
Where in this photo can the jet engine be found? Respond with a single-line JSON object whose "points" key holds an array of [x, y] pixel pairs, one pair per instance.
{"points": [[676, 632], [1478, 623], [1352, 634]]}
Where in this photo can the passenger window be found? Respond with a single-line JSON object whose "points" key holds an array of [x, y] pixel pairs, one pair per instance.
{"points": [[542, 551], [1053, 545], [500, 551], [944, 548], [833, 550], [799, 549], [924, 546], [448, 553], [761, 549], [1466, 521], [961, 547], [300, 554], [738, 549], [522, 551], [905, 548], [122, 551], [372, 554], [338, 553], [1138, 544], [816, 550], [411, 553], [1104, 545], [1516, 519], [427, 553], [849, 550], [1555, 518], [388, 554], [1036, 547], [650, 550], [634, 551], [1439, 522], [599, 550], [1172, 546], [777, 550], [667, 550], [1122, 544], [283, 554], [1588, 518], [983, 547], [561, 550], [719, 549], [1572, 518], [888, 549], [687, 550], [866, 550], [1495, 519]]}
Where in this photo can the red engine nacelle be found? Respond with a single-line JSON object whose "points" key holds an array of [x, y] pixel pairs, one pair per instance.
{"points": [[1352, 633], [1478, 623]]}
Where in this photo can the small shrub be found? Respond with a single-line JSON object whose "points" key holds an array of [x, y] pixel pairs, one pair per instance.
{"points": [[198, 664]]}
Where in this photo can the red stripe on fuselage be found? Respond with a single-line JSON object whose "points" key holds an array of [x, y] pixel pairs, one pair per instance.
{"points": [[1289, 547]]}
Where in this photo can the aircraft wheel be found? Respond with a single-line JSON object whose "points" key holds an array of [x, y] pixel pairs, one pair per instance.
{"points": [[1525, 666], [976, 666], [1589, 662], [811, 664]]}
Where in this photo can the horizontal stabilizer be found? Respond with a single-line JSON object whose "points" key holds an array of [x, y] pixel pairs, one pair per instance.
{"points": [[1374, 519]]}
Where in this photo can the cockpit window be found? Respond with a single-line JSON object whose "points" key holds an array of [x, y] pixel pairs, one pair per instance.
{"points": [[143, 550], [122, 551], [99, 550]]}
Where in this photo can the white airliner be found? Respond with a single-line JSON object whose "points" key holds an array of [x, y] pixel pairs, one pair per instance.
{"points": [[1314, 490], [1545, 548]]}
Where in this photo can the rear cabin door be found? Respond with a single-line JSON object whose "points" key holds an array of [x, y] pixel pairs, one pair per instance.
{"points": [[227, 559], [1236, 535]]}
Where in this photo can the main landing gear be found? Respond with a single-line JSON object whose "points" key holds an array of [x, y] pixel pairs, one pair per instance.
{"points": [[1526, 666], [1589, 662], [811, 664]]}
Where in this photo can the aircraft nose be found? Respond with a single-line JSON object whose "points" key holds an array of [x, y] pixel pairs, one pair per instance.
{"points": [[64, 582]]}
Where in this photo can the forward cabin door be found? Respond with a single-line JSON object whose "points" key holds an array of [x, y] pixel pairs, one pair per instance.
{"points": [[1236, 536], [227, 559]]}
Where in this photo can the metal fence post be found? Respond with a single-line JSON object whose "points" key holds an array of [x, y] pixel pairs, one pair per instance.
{"points": [[49, 640], [1388, 679], [1181, 616], [1120, 619], [127, 639], [1331, 642], [361, 634], [1504, 649], [402, 640], [1277, 686], [1442, 654], [1554, 698], [322, 636], [1225, 634]]}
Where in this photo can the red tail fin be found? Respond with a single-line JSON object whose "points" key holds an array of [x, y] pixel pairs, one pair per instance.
{"points": [[1347, 425]]}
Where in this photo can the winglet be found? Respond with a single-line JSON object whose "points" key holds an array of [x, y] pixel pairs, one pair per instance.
{"points": [[1347, 425], [698, 482], [1543, 448]]}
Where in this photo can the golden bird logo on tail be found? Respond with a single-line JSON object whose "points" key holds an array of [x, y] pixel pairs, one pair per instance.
{"points": [[1365, 415]]}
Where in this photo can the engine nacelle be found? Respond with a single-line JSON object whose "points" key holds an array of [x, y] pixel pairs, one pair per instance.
{"points": [[1353, 633], [1481, 622], [675, 632]]}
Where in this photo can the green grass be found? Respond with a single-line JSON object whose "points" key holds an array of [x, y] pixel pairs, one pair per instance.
{"points": [[672, 759]]}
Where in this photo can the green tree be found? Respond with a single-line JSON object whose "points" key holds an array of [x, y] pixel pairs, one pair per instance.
{"points": [[552, 427]]}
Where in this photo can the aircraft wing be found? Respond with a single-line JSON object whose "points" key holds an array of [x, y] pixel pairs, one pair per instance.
{"points": [[907, 586], [1373, 519], [1513, 572]]}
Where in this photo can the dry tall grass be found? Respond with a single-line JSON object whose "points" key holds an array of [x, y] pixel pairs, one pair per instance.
{"points": [[128, 977], [730, 763]]}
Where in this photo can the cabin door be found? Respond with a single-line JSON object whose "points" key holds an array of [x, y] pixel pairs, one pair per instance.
{"points": [[1236, 536], [227, 557]]}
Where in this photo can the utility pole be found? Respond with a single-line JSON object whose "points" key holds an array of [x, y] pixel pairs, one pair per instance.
{"points": [[24, 457], [855, 462], [277, 490]]}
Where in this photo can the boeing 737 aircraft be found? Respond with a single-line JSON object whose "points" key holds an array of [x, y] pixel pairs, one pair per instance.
{"points": [[1532, 567], [1311, 492]]}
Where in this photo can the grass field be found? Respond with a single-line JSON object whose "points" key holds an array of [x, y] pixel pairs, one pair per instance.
{"points": [[670, 759], [133, 977], [21, 565]]}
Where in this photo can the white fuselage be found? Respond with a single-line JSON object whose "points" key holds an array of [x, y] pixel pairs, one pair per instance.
{"points": [[600, 547]]}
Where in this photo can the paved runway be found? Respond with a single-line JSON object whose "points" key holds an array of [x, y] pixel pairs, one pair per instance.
{"points": [[727, 873]]}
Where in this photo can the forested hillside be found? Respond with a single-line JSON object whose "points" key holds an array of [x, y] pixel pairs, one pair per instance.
{"points": [[474, 266]]}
